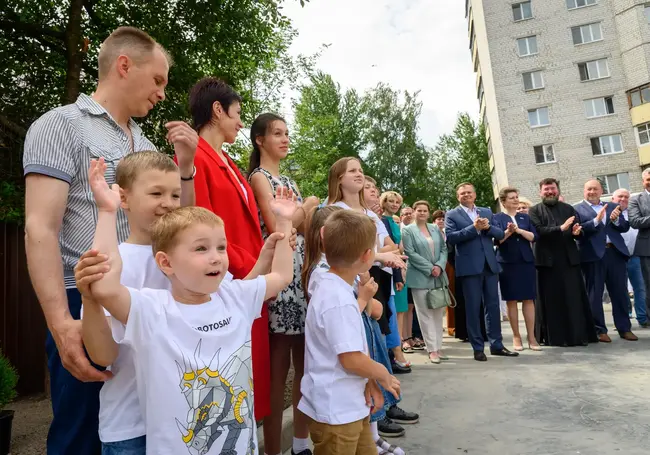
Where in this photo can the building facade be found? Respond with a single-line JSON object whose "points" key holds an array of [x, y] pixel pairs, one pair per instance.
{"points": [[564, 91]]}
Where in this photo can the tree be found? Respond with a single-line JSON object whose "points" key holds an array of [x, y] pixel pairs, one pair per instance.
{"points": [[462, 157], [49, 53], [328, 125], [396, 158]]}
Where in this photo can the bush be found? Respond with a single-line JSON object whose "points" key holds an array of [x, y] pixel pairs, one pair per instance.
{"points": [[8, 381]]}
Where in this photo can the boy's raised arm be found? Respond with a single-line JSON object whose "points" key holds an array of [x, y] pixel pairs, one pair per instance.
{"points": [[108, 291], [95, 326]]}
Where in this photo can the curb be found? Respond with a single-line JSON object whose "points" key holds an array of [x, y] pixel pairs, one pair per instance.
{"points": [[287, 432]]}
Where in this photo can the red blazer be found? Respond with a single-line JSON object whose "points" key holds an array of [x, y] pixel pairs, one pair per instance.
{"points": [[218, 191]]}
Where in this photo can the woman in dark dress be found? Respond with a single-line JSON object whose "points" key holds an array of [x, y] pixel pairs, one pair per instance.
{"points": [[515, 254]]}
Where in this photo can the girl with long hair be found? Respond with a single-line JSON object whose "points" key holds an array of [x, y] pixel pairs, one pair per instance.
{"points": [[270, 139]]}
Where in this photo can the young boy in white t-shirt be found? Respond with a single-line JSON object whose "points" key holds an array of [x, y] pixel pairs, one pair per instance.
{"points": [[191, 345], [150, 187], [340, 380]]}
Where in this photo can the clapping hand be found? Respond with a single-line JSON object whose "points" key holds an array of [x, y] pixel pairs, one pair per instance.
{"points": [[483, 224], [107, 198], [601, 213], [567, 224], [185, 141], [615, 214], [577, 230], [512, 228], [284, 204]]}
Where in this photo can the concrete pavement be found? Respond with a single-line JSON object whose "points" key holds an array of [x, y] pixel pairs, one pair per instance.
{"points": [[561, 401], [591, 400]]}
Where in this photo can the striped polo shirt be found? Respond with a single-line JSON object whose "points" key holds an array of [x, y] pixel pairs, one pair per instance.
{"points": [[60, 144]]}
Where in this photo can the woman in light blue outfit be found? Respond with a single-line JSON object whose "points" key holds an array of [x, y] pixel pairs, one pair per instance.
{"points": [[426, 249]]}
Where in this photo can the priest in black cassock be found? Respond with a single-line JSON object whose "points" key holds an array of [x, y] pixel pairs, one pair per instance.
{"points": [[562, 314]]}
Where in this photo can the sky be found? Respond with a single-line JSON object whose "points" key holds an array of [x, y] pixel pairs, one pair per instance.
{"points": [[409, 44]]}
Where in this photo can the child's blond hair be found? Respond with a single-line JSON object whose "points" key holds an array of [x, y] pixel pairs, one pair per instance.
{"points": [[165, 231], [346, 236], [134, 164]]}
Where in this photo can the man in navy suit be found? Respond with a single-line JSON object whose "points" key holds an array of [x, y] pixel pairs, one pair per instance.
{"points": [[603, 258], [471, 232]]}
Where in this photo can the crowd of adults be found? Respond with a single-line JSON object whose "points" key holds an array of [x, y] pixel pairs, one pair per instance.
{"points": [[553, 257]]}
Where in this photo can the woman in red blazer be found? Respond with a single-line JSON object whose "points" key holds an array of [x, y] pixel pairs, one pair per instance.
{"points": [[221, 188]]}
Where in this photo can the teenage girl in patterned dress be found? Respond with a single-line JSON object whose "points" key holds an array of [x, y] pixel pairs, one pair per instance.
{"points": [[270, 138]]}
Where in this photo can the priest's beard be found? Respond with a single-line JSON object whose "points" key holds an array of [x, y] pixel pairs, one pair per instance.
{"points": [[551, 200]]}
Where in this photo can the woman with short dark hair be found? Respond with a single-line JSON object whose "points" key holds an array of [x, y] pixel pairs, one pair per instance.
{"points": [[221, 188], [517, 279]]}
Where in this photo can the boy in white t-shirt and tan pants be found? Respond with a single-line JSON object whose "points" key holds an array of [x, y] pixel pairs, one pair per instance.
{"points": [[339, 386], [191, 339]]}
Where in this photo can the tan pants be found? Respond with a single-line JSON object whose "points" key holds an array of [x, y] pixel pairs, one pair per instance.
{"points": [[350, 439]]}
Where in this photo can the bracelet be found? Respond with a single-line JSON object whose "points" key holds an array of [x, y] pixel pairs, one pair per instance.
{"points": [[187, 179]]}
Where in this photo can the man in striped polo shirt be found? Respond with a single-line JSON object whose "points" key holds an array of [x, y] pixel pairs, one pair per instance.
{"points": [[60, 212]]}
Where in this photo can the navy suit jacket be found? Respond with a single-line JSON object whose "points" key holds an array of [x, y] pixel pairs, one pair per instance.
{"points": [[516, 249], [472, 248], [592, 243]]}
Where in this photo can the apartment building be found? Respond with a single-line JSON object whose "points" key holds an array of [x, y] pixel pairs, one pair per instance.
{"points": [[564, 91]]}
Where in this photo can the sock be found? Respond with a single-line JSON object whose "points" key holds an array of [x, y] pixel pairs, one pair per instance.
{"points": [[300, 445], [375, 430], [387, 448]]}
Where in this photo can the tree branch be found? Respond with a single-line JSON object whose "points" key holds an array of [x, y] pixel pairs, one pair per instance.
{"points": [[89, 7], [32, 30], [12, 126]]}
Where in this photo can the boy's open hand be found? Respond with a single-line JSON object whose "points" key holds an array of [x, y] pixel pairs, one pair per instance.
{"points": [[91, 267], [284, 204], [374, 396], [107, 199], [390, 384]]}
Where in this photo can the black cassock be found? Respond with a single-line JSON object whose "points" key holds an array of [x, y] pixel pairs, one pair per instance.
{"points": [[562, 312]]}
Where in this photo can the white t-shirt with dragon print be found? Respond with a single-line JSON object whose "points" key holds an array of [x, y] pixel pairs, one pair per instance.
{"points": [[193, 367]]}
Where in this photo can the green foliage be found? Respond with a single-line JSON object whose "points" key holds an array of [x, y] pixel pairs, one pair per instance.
{"points": [[396, 158], [11, 202], [461, 157], [8, 381], [244, 42], [328, 125]]}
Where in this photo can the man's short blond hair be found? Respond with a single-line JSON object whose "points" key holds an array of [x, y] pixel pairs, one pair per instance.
{"points": [[166, 230], [131, 41], [134, 164], [346, 236]]}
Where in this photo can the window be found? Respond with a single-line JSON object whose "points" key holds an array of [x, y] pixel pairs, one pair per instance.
{"points": [[639, 96], [643, 132], [480, 93], [527, 46], [606, 145], [599, 107], [544, 154], [573, 4], [646, 11], [533, 80], [490, 152], [613, 182], [522, 11], [538, 117], [589, 33], [595, 69]]}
